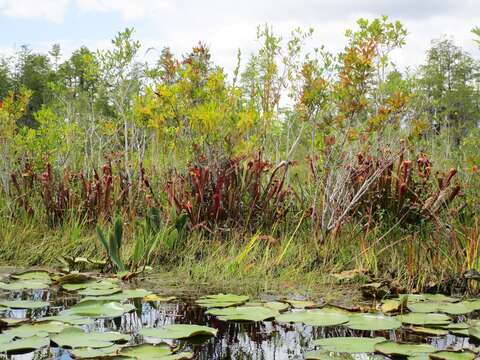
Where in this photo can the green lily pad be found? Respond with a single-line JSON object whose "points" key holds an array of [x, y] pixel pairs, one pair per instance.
{"points": [[474, 331], [69, 319], [440, 298], [23, 304], [76, 338], [99, 292], [424, 319], [221, 300], [23, 285], [99, 309], [89, 353], [178, 331], [243, 313], [39, 275], [453, 355], [459, 308], [393, 348], [429, 330], [24, 345], [350, 345], [42, 329], [373, 322], [326, 355], [146, 351], [96, 285], [314, 318], [120, 296]]}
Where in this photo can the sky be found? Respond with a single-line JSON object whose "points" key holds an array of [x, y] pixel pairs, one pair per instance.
{"points": [[228, 25]]}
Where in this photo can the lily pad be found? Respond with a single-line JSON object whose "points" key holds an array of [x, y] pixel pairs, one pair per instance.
{"points": [[89, 353], [99, 292], [373, 322], [24, 345], [99, 309], [146, 351], [243, 313], [121, 295], [178, 331], [221, 300], [350, 345], [429, 331], [453, 355], [76, 338], [424, 319], [23, 304], [314, 318], [42, 329], [393, 348], [69, 319], [459, 308], [38, 275], [23, 285]]}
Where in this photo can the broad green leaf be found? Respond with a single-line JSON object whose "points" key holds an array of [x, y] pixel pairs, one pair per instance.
{"points": [[349, 345], [392, 348], [42, 329], [424, 319], [99, 309], [221, 300], [90, 353], [459, 308], [24, 284], [243, 313], [313, 318], [76, 338], [24, 345], [178, 331], [453, 355], [23, 304], [373, 322]]}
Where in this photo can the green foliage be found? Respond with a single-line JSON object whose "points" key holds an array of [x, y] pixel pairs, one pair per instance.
{"points": [[113, 244]]}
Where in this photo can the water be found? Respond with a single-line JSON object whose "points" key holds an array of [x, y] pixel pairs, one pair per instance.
{"points": [[235, 341]]}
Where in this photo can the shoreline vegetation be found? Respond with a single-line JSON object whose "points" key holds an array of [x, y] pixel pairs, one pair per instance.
{"points": [[300, 170]]}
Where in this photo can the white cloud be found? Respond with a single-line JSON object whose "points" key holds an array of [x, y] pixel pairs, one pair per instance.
{"points": [[51, 10], [128, 9]]}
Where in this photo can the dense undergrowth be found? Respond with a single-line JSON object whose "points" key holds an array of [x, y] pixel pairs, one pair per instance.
{"points": [[299, 166]]}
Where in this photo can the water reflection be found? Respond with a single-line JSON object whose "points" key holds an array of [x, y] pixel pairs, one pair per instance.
{"points": [[235, 341]]}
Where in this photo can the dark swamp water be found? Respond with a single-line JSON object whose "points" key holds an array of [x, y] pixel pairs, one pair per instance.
{"points": [[254, 341], [265, 340]]}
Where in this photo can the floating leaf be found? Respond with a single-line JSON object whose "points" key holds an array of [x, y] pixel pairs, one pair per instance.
{"points": [[42, 329], [24, 345], [373, 322], [146, 351], [24, 284], [23, 304], [99, 292], [392, 348], [121, 296], [453, 355], [243, 313], [424, 319], [459, 308], [38, 275], [76, 338], [69, 319], [429, 331], [314, 318], [99, 309], [178, 331], [89, 353], [221, 300], [349, 345]]}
